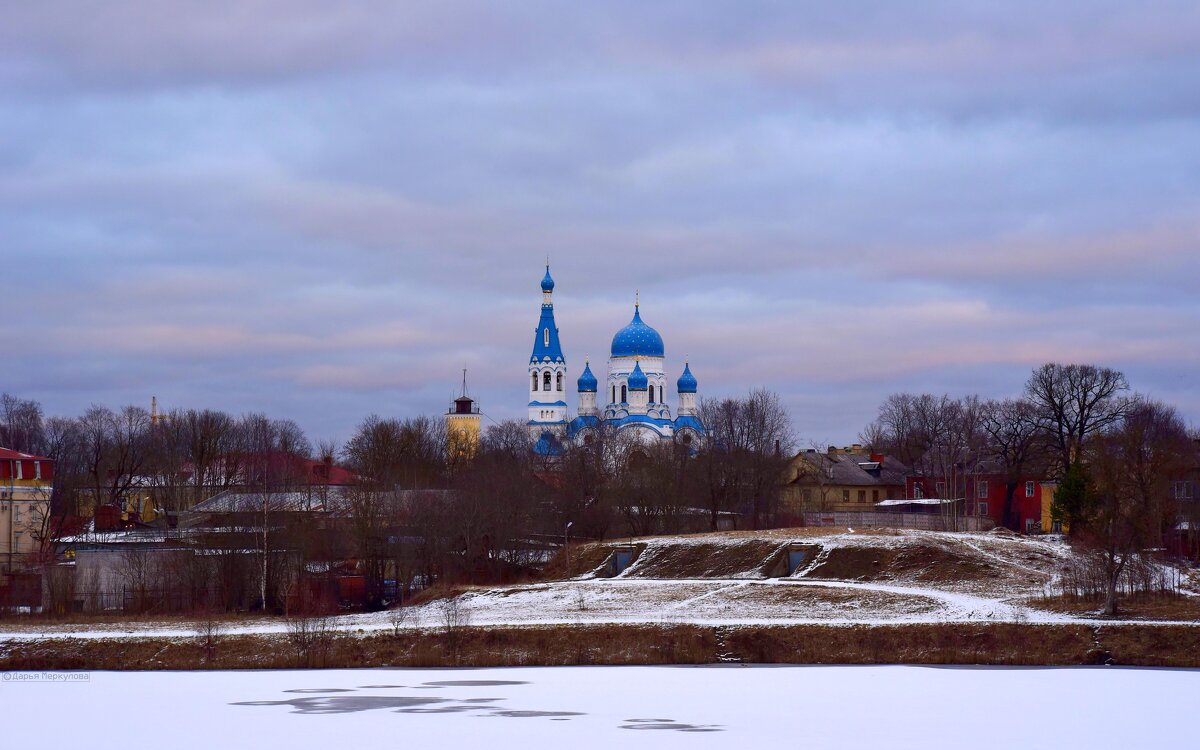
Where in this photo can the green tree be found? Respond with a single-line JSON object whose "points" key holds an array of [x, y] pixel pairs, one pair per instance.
{"points": [[1075, 498]]}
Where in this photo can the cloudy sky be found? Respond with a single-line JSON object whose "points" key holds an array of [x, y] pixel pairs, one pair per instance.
{"points": [[322, 210]]}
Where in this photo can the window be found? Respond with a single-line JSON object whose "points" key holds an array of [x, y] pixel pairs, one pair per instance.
{"points": [[981, 509], [1182, 490], [660, 397], [20, 473], [534, 386], [941, 489], [807, 496], [1029, 489], [1032, 526], [918, 491], [874, 496], [560, 381], [546, 380], [862, 496], [546, 336], [624, 395], [651, 389], [614, 398], [845, 496], [981, 488], [37, 469]]}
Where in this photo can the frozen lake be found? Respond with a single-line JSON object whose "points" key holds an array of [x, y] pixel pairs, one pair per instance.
{"points": [[593, 707]]}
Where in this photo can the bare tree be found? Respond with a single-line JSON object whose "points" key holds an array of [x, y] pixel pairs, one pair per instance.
{"points": [[209, 626], [455, 619], [746, 450], [387, 453], [1076, 402], [1133, 463], [21, 424], [310, 634], [117, 450], [1016, 434]]}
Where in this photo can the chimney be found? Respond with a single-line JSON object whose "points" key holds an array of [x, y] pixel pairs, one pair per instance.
{"points": [[878, 457]]}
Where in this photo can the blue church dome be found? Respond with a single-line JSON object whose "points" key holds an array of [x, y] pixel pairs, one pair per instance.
{"points": [[547, 282], [687, 381], [637, 379], [587, 381], [636, 339]]}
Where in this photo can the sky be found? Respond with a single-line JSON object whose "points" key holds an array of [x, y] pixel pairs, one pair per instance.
{"points": [[326, 210]]}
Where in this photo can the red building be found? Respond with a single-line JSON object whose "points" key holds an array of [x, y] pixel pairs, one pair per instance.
{"points": [[985, 495], [19, 469]]}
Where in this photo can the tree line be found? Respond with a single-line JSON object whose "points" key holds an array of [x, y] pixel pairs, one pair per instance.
{"points": [[415, 513], [1125, 463]]}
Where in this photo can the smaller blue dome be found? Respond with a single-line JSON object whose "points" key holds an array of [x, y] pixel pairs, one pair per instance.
{"points": [[547, 282], [687, 381], [587, 381], [637, 379]]}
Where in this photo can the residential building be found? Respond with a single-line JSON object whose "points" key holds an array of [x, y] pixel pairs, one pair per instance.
{"points": [[840, 479], [25, 486], [984, 494]]}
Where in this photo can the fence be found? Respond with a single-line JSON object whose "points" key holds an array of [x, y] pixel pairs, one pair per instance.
{"points": [[924, 521], [140, 601]]}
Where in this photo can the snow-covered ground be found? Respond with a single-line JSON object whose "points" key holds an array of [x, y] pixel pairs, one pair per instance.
{"points": [[597, 707], [854, 577]]}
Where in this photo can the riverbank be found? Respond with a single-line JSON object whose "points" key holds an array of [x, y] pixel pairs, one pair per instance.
{"points": [[1007, 644]]}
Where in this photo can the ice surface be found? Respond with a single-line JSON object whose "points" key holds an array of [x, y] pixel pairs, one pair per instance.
{"points": [[892, 707]]}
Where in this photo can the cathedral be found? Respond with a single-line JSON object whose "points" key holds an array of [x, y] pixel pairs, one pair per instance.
{"points": [[635, 388]]}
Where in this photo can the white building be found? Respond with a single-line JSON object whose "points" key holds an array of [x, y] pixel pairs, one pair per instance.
{"points": [[635, 388]]}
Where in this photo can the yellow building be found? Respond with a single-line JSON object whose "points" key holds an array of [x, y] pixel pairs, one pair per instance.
{"points": [[463, 423], [840, 479], [25, 483], [1047, 490]]}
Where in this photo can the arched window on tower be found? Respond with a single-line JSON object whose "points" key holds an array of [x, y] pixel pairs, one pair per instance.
{"points": [[546, 336], [559, 381], [614, 396], [546, 380], [660, 397], [533, 386], [651, 389], [624, 395]]}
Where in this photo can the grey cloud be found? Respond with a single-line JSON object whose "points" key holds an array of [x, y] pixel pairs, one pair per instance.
{"points": [[326, 211]]}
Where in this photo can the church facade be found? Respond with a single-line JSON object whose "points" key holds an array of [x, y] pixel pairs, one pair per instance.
{"points": [[634, 390]]}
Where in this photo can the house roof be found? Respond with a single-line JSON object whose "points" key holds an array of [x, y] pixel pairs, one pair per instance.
{"points": [[850, 469], [918, 501], [8, 454]]}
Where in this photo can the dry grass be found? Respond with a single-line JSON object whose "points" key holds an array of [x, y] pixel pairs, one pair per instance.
{"points": [[1142, 606], [584, 559], [700, 560], [1152, 646], [1007, 644], [920, 561], [945, 643], [23, 623], [482, 647]]}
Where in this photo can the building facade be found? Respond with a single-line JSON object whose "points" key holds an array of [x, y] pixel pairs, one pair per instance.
{"points": [[463, 427], [840, 479], [25, 485], [985, 495]]}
